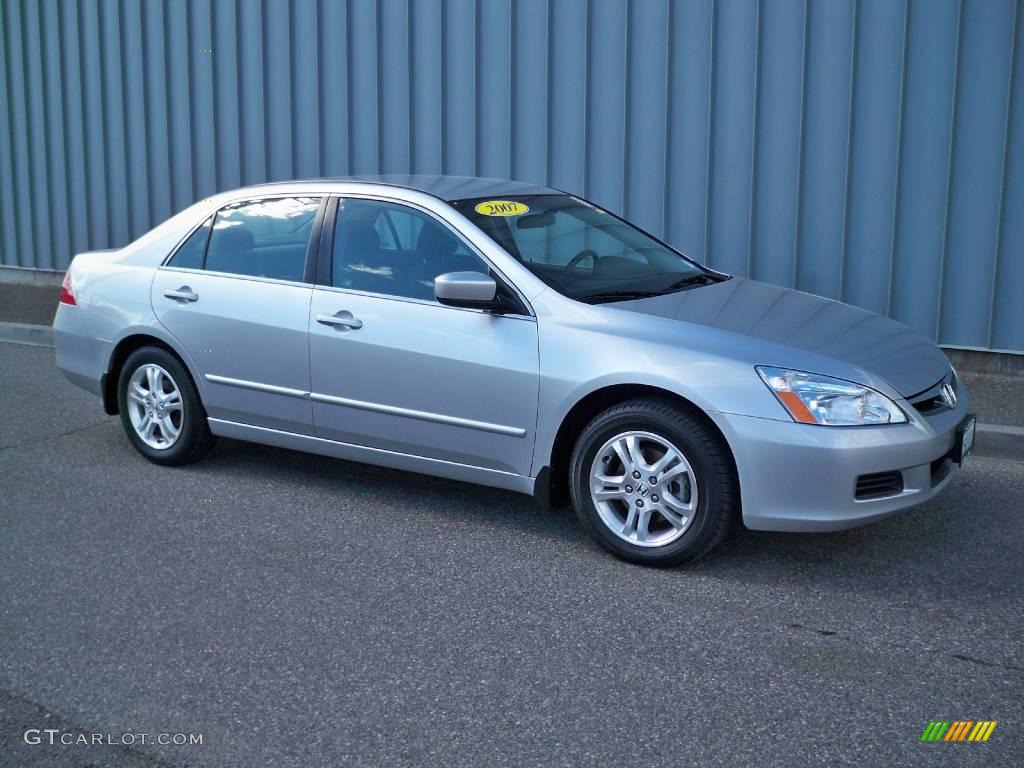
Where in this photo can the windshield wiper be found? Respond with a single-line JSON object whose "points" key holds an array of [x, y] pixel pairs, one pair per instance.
{"points": [[692, 281], [618, 295]]}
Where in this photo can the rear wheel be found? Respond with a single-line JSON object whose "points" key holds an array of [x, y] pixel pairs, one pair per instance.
{"points": [[653, 483], [160, 408]]}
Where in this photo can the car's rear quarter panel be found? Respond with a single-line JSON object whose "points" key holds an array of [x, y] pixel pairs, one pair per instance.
{"points": [[112, 303]]}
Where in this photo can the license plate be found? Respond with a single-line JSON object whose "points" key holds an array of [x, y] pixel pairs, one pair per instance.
{"points": [[964, 439]]}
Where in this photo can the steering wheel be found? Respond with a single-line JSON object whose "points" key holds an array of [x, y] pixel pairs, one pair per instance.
{"points": [[575, 260]]}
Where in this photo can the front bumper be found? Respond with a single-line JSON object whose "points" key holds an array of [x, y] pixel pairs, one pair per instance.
{"points": [[802, 477]]}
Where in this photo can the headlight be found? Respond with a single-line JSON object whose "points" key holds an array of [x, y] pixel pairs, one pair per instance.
{"points": [[815, 399]]}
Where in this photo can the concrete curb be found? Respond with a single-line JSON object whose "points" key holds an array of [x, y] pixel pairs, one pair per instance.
{"points": [[992, 441], [998, 441], [985, 361], [27, 333], [28, 276]]}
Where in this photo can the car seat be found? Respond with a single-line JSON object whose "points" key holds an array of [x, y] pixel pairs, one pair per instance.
{"points": [[436, 255], [231, 250]]}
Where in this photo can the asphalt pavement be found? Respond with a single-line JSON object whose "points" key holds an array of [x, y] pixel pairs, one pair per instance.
{"points": [[301, 611]]}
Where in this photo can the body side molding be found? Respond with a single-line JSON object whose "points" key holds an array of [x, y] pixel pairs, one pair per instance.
{"points": [[438, 418]]}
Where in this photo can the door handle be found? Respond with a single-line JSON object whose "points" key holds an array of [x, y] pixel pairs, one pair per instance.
{"points": [[342, 319], [184, 294]]}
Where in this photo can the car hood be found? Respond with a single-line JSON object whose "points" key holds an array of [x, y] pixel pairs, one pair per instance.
{"points": [[902, 356]]}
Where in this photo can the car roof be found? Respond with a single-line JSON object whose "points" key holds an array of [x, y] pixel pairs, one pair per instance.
{"points": [[448, 188]]}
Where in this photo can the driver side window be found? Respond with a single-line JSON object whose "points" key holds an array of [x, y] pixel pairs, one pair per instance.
{"points": [[395, 250]]}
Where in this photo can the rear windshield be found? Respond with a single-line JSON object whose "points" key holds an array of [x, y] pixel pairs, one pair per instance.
{"points": [[581, 250]]}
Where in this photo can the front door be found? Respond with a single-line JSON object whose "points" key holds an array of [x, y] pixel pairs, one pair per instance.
{"points": [[392, 369]]}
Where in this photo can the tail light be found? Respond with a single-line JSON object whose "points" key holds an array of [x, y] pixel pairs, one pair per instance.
{"points": [[67, 296]]}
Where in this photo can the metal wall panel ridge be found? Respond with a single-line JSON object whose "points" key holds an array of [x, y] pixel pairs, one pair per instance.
{"points": [[867, 150]]}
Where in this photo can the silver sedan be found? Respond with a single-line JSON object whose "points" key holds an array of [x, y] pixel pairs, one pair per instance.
{"points": [[518, 337]]}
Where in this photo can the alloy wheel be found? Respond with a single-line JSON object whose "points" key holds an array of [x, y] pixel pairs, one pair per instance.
{"points": [[643, 488], [155, 406]]}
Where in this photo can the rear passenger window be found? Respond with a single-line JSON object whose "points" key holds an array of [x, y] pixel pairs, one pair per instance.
{"points": [[263, 238], [395, 250], [193, 250]]}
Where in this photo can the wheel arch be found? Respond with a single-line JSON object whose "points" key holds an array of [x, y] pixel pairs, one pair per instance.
{"points": [[124, 347], [552, 483]]}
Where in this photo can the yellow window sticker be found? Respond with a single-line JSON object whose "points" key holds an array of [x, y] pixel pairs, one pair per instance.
{"points": [[502, 208]]}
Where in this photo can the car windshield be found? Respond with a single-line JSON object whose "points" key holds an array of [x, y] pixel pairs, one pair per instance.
{"points": [[582, 251]]}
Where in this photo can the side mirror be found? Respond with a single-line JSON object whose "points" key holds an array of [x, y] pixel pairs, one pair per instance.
{"points": [[466, 289]]}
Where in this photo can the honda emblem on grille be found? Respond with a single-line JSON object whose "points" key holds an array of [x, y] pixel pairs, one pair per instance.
{"points": [[948, 395]]}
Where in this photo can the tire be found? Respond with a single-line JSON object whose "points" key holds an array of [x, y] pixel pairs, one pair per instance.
{"points": [[193, 439], [654, 424]]}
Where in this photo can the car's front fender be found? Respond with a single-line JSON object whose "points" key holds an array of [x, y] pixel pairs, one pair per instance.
{"points": [[578, 360]]}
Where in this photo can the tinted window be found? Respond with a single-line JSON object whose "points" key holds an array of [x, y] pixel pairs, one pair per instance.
{"points": [[192, 251], [392, 249], [263, 238]]}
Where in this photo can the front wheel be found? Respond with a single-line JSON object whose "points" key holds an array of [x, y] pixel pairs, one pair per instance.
{"points": [[160, 408], [653, 483]]}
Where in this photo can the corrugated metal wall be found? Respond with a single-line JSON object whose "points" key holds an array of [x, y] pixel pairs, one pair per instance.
{"points": [[868, 150]]}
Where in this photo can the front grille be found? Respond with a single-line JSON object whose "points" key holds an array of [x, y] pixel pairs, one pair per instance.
{"points": [[879, 485], [931, 401], [930, 405]]}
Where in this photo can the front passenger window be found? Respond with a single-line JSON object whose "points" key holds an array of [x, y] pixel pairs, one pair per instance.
{"points": [[395, 250]]}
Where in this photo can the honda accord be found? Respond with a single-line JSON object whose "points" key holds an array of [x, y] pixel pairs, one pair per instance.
{"points": [[518, 337]]}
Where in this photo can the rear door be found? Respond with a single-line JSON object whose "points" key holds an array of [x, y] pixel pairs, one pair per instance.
{"points": [[236, 295]]}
